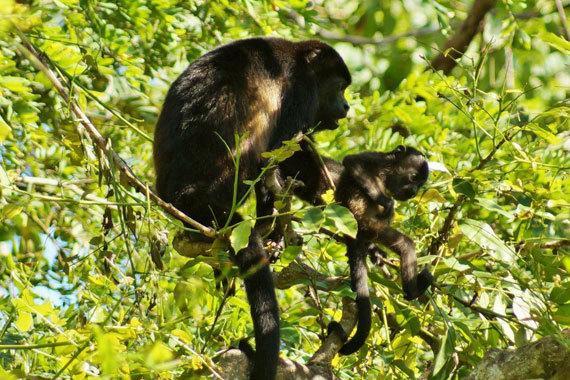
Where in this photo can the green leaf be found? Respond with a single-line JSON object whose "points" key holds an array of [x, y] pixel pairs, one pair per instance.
{"points": [[285, 151], [289, 254], [447, 348], [462, 186], [342, 218], [483, 235], [522, 40], [311, 220], [5, 130], [562, 315], [240, 235], [15, 84], [561, 295], [107, 347], [10, 211], [182, 335], [159, 353], [492, 206], [556, 42], [24, 322]]}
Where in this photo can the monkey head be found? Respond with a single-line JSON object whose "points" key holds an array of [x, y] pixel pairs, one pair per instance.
{"points": [[332, 78], [397, 174], [409, 171]]}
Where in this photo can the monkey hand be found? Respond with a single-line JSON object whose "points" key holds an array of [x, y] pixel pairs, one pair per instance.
{"points": [[425, 279], [246, 348], [423, 282], [376, 255], [335, 328], [274, 248]]}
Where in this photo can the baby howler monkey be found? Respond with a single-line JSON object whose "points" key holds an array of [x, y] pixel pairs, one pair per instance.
{"points": [[367, 184]]}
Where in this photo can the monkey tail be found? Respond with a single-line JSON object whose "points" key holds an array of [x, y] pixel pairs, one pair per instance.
{"points": [[263, 307], [357, 253]]}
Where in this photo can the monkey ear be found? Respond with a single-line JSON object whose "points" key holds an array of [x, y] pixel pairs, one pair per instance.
{"points": [[312, 55]]}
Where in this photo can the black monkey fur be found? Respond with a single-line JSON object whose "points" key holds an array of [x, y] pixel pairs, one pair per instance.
{"points": [[366, 184], [265, 90]]}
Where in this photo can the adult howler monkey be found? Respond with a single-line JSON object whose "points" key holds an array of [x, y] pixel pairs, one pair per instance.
{"points": [[366, 184], [264, 90]]}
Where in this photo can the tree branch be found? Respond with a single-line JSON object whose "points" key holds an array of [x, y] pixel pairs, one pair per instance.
{"points": [[299, 273], [41, 62], [233, 364], [456, 46], [295, 273], [359, 40], [562, 16], [547, 358]]}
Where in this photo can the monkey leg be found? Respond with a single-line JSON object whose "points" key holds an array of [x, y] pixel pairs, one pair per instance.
{"points": [[254, 265], [357, 252], [376, 255]]}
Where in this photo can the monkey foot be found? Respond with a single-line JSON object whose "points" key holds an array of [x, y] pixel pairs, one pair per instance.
{"points": [[273, 249], [424, 280], [335, 328], [246, 348], [376, 255]]}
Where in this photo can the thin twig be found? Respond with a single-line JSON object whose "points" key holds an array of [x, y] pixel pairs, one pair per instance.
{"points": [[33, 346], [456, 46], [229, 289], [41, 62], [201, 357], [359, 40], [563, 21]]}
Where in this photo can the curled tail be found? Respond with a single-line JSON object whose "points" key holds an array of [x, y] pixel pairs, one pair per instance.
{"points": [[357, 253], [254, 264]]}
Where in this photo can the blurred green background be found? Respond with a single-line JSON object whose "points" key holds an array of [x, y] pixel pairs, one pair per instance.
{"points": [[80, 296]]}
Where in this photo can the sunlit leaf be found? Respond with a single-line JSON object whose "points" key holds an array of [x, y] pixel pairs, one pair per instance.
{"points": [[239, 237]]}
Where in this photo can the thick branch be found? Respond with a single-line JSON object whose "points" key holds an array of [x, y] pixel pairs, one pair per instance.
{"points": [[298, 273], [40, 62], [456, 46], [294, 274], [547, 358], [234, 364]]}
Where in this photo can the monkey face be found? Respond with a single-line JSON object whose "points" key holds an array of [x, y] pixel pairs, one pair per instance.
{"points": [[332, 103], [332, 77], [410, 172]]}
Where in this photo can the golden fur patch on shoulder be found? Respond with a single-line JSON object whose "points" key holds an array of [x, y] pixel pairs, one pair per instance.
{"points": [[264, 110]]}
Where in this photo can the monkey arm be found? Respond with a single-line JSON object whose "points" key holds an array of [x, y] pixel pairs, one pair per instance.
{"points": [[362, 169], [405, 248], [413, 284]]}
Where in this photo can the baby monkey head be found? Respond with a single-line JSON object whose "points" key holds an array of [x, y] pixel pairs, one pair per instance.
{"points": [[397, 174], [409, 171]]}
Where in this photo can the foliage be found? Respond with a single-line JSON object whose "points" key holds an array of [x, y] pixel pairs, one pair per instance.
{"points": [[80, 295]]}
